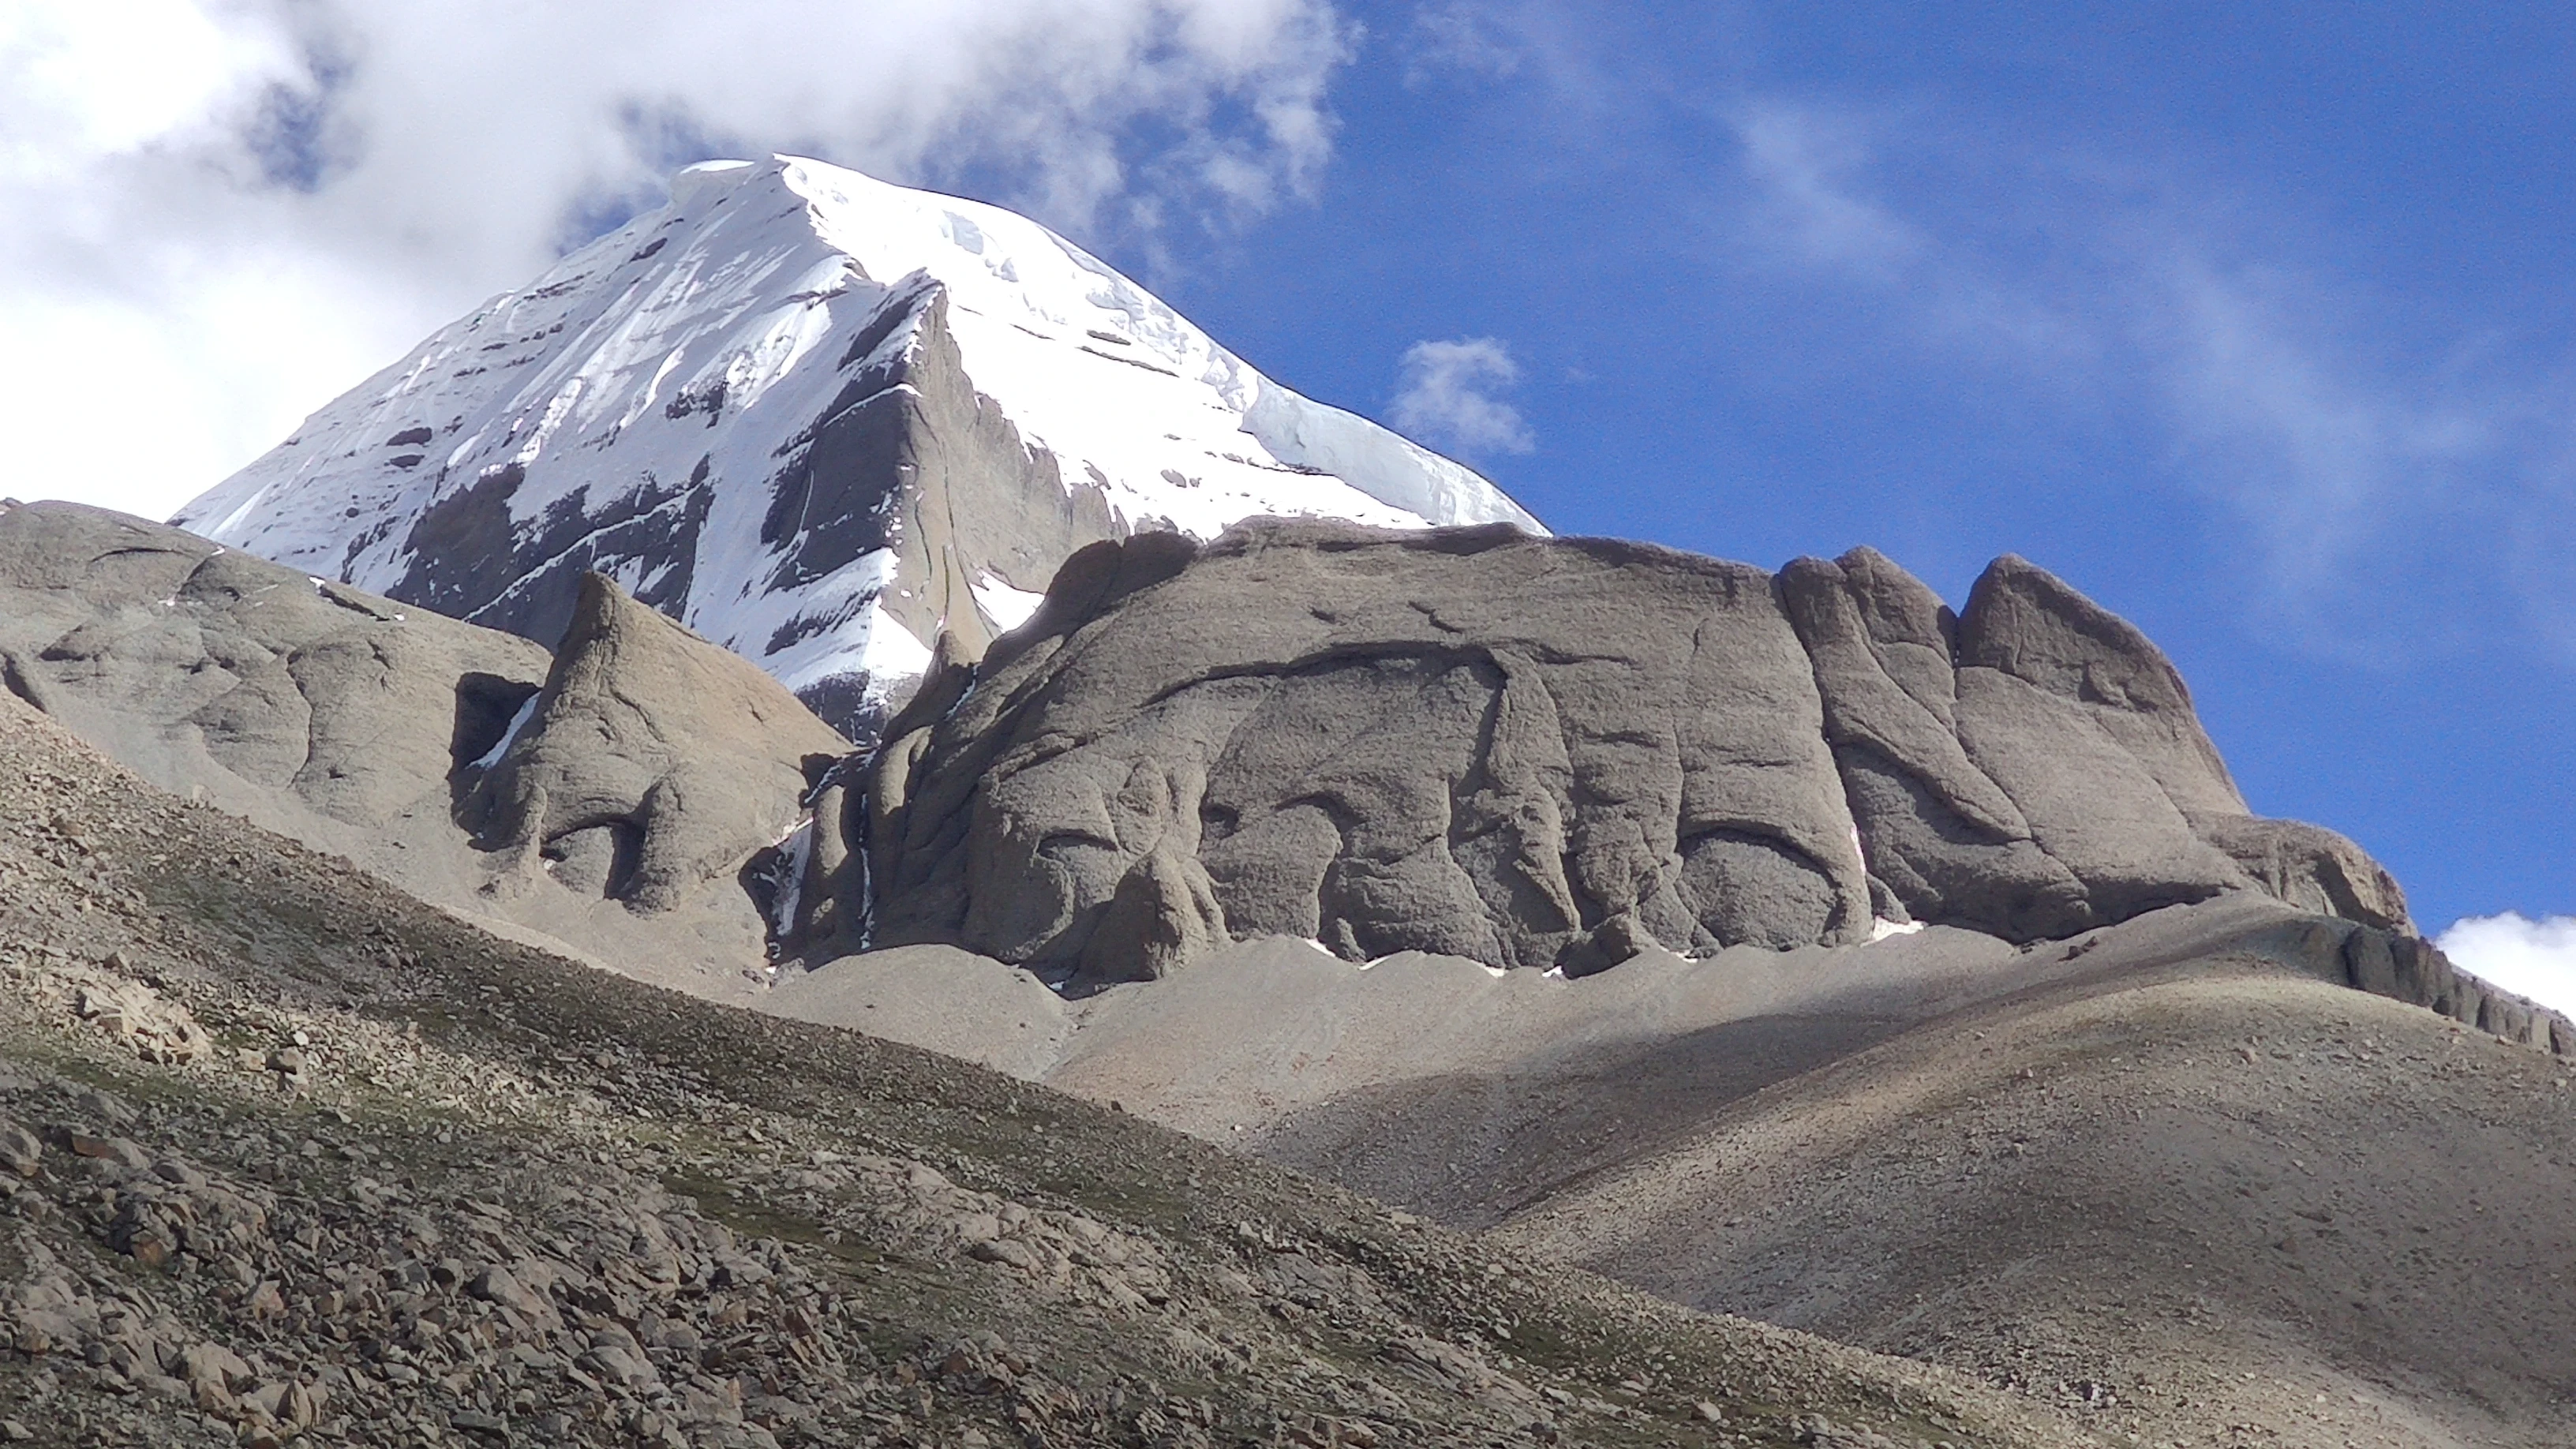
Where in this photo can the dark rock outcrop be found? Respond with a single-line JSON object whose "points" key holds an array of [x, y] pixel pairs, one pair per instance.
{"points": [[2406, 967], [1547, 753]]}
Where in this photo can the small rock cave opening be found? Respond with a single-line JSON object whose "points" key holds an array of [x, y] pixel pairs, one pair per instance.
{"points": [[485, 706], [596, 860]]}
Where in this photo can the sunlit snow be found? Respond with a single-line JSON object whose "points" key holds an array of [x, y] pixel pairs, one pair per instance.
{"points": [[1005, 607], [602, 383]]}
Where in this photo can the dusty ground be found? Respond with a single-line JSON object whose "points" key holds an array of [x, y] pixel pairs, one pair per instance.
{"points": [[2216, 1203], [2161, 1176], [285, 1154]]}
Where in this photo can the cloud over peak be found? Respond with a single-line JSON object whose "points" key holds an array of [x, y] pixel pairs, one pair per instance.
{"points": [[242, 206]]}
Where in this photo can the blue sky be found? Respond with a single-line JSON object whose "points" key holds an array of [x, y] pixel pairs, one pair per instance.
{"points": [[2255, 322], [2256, 326]]}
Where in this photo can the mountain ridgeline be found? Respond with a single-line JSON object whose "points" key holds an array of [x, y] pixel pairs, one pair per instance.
{"points": [[866, 609], [1545, 753], [816, 418]]}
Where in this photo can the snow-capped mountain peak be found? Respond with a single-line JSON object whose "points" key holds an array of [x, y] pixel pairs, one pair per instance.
{"points": [[819, 419]]}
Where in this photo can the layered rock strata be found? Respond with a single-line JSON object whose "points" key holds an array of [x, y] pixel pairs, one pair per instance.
{"points": [[1544, 753], [816, 418]]}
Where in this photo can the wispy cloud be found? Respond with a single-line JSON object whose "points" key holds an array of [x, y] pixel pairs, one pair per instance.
{"points": [[1458, 38], [1802, 164], [1447, 397], [1558, 51], [2337, 468], [2319, 458], [2534, 959], [224, 211]]}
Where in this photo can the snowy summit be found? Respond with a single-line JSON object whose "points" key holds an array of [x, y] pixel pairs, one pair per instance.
{"points": [[817, 418]]}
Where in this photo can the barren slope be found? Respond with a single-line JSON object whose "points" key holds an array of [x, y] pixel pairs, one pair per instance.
{"points": [[2201, 1195], [317, 1159], [2120, 1173]]}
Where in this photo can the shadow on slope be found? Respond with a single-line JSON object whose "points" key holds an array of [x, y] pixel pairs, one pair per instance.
{"points": [[2122, 1173], [323, 1159], [2195, 1195]]}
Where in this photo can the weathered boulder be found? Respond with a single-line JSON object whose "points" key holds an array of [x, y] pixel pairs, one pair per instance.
{"points": [[2310, 867], [1541, 752], [461, 763], [651, 762], [2033, 768]]}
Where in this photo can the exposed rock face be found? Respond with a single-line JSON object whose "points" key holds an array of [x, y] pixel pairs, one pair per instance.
{"points": [[172, 649], [587, 797], [652, 762], [1547, 753], [2312, 868], [906, 471], [2029, 769]]}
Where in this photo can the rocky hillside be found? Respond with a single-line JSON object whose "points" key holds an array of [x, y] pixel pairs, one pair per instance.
{"points": [[289, 1156], [1784, 944], [603, 800], [2173, 1176], [818, 419], [2196, 1189]]}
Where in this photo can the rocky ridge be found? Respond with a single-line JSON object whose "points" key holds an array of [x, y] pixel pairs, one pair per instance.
{"points": [[604, 799], [1545, 753]]}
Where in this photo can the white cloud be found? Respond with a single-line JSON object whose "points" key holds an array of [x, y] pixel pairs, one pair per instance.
{"points": [[1447, 397], [1801, 162], [215, 214], [2534, 959], [1459, 38]]}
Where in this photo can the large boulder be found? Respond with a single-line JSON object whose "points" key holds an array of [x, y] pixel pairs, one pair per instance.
{"points": [[1544, 753], [2033, 768], [651, 763], [1467, 741]]}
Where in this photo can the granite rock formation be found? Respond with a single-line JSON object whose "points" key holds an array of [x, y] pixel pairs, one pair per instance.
{"points": [[1545, 753]]}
